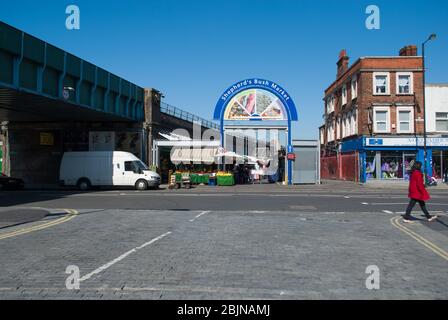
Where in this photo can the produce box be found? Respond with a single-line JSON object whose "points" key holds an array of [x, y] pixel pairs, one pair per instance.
{"points": [[194, 178], [225, 180], [203, 178]]}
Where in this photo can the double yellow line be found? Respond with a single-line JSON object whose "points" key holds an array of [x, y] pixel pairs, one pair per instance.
{"points": [[395, 221], [71, 213]]}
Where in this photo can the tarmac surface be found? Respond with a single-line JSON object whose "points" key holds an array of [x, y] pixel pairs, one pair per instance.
{"points": [[243, 242]]}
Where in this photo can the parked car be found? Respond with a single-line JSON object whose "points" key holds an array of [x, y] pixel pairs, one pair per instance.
{"points": [[9, 183], [106, 168]]}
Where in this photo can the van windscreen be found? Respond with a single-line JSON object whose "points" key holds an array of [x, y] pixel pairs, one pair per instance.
{"points": [[141, 165]]}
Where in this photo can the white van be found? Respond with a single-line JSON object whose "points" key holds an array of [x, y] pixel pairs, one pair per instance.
{"points": [[106, 168]]}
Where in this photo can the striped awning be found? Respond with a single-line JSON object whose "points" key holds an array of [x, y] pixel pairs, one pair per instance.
{"points": [[188, 155]]}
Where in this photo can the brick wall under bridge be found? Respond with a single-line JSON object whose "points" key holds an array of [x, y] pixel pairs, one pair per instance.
{"points": [[34, 150], [341, 166]]}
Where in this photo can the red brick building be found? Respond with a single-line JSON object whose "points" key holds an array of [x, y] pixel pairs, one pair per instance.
{"points": [[373, 116]]}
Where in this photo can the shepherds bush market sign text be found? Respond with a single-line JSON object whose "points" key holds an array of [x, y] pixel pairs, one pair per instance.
{"points": [[255, 99], [254, 82]]}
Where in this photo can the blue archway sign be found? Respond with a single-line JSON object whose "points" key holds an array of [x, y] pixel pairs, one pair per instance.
{"points": [[284, 113]]}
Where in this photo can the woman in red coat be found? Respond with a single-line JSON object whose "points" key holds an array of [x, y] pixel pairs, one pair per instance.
{"points": [[417, 193]]}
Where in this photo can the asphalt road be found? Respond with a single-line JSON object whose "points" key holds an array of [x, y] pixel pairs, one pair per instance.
{"points": [[237, 243], [266, 197]]}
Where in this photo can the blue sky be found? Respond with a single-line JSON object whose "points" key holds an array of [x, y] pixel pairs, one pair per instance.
{"points": [[193, 50]]}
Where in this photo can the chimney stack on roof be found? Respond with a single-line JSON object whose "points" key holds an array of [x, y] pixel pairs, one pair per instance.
{"points": [[409, 51], [342, 63]]}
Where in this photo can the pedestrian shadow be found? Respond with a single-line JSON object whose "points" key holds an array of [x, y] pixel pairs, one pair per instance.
{"points": [[440, 221]]}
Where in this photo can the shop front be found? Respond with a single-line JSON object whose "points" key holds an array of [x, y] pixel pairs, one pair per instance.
{"points": [[389, 165], [391, 158]]}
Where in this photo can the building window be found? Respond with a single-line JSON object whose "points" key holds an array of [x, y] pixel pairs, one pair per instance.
{"points": [[332, 103], [338, 128], [440, 164], [346, 124], [381, 83], [404, 83], [354, 88], [391, 165], [344, 95], [350, 124], [405, 120], [371, 165], [330, 131], [381, 120], [442, 121], [354, 124], [329, 104]]}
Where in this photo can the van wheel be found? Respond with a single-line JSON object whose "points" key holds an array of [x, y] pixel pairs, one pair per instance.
{"points": [[83, 184], [141, 185]]}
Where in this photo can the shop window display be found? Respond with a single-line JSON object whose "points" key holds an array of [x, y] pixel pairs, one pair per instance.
{"points": [[409, 160], [391, 165], [370, 166], [437, 164], [440, 165]]}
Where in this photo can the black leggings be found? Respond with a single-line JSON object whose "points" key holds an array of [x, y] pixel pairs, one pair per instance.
{"points": [[411, 206]]}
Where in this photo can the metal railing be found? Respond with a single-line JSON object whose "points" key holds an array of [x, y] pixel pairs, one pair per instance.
{"points": [[187, 116]]}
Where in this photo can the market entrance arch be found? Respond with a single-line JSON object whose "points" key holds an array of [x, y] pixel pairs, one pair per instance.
{"points": [[258, 113]]}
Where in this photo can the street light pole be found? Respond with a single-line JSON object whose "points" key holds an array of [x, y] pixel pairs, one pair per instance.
{"points": [[425, 154]]}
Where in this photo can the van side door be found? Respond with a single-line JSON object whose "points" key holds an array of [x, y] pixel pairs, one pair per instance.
{"points": [[130, 174], [118, 173]]}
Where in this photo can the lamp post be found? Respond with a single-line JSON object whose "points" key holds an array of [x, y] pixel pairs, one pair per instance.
{"points": [[425, 160]]}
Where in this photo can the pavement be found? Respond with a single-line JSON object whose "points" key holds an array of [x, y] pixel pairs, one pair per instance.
{"points": [[243, 242]]}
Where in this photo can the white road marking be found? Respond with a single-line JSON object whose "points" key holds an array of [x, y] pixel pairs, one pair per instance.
{"points": [[202, 213], [388, 203], [364, 203], [124, 255], [387, 211], [346, 197]]}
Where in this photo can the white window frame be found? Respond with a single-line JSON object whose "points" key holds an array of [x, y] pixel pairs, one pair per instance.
{"points": [[349, 124], [378, 74], [387, 109], [338, 128], [439, 119], [330, 132], [354, 90], [353, 123], [344, 125], [332, 103], [344, 94], [411, 119], [411, 83]]}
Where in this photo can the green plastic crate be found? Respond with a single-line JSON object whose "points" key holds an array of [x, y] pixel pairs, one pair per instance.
{"points": [[226, 181]]}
